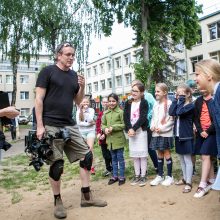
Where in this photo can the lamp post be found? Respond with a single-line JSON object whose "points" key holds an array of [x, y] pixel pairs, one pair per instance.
{"points": [[112, 68]]}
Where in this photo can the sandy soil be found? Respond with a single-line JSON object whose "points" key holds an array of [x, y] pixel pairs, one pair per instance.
{"points": [[124, 202]]}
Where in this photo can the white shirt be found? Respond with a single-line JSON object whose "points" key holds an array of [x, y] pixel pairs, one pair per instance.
{"points": [[157, 116], [85, 125]]}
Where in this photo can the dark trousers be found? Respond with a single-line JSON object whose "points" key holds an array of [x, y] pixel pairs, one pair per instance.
{"points": [[152, 153], [107, 157]]}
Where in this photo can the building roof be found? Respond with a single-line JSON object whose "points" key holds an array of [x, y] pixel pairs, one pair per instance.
{"points": [[210, 15]]}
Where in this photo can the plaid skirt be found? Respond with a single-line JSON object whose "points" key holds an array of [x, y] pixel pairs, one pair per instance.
{"points": [[161, 143]]}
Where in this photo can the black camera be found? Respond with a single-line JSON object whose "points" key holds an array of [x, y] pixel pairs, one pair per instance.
{"points": [[38, 150], [64, 134], [4, 144]]}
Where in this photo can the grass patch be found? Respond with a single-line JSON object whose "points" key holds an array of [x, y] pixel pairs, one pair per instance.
{"points": [[16, 197], [17, 174]]}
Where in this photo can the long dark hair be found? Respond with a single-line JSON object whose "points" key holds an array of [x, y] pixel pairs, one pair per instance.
{"points": [[114, 96]]}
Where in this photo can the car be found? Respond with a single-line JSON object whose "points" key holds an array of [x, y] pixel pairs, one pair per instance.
{"points": [[22, 120], [171, 96]]}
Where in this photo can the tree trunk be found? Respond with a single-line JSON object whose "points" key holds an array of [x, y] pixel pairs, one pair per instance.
{"points": [[15, 73], [145, 45]]}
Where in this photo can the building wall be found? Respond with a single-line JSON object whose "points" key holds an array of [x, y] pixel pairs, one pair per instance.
{"points": [[26, 79], [184, 68], [205, 48], [121, 71]]}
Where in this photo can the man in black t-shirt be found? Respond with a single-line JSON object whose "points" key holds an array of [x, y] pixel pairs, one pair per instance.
{"points": [[56, 88]]}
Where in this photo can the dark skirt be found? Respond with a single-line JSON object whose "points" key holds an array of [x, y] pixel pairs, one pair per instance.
{"points": [[206, 146], [161, 143], [184, 147]]}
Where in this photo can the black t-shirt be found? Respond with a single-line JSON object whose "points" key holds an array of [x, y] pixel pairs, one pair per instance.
{"points": [[61, 88]]}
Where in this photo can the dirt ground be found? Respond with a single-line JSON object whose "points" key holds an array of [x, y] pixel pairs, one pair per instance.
{"points": [[125, 203]]}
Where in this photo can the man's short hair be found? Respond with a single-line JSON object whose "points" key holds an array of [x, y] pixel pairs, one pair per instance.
{"points": [[60, 48]]}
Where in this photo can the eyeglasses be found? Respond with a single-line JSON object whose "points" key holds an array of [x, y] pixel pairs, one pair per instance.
{"points": [[61, 46], [135, 91]]}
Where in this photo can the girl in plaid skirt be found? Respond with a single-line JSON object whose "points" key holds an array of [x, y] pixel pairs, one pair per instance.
{"points": [[162, 135]]}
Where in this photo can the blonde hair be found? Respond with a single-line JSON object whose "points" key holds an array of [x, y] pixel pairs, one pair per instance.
{"points": [[210, 67], [164, 88], [187, 90]]}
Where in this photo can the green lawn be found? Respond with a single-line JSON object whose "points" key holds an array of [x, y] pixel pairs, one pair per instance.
{"points": [[15, 172]]}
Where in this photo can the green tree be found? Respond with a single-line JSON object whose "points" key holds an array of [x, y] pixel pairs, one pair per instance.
{"points": [[159, 26], [28, 26], [17, 34], [67, 21]]}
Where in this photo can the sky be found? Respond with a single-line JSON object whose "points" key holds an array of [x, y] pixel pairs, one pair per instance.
{"points": [[122, 37]]}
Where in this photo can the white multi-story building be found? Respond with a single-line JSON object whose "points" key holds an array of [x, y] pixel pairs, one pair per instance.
{"points": [[208, 47], [26, 79], [113, 73], [117, 67]]}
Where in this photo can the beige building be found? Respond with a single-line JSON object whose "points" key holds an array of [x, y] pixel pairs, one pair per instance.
{"points": [[26, 80]]}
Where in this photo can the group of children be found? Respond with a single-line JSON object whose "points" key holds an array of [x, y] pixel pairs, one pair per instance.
{"points": [[194, 126]]}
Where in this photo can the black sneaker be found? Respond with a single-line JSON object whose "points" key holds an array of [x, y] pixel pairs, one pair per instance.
{"points": [[112, 180], [121, 181]]}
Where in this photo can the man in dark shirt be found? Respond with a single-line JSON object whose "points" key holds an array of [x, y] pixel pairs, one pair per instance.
{"points": [[56, 88]]}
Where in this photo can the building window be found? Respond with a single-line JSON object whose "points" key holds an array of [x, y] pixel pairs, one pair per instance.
{"points": [[9, 79], [128, 79], [119, 80], [118, 62], [179, 47], [137, 56], [102, 69], [102, 84], [180, 67], [0, 78], [95, 70], [24, 79], [89, 72], [109, 65], [200, 36], [89, 88], [127, 59], [96, 86], [215, 55], [194, 60], [24, 95], [214, 30], [25, 111], [109, 83]]}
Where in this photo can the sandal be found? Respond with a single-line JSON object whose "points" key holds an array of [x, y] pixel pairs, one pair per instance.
{"points": [[180, 182], [187, 188]]}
